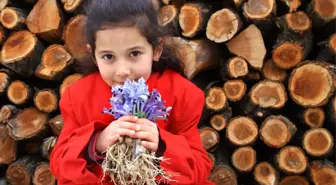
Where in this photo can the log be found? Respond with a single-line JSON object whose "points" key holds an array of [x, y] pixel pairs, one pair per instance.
{"points": [[250, 45], [46, 100], [7, 112], [193, 18], [56, 124], [260, 12], [313, 117], [219, 121], [19, 93], [72, 6], [210, 138], [242, 131], [294, 180], [196, 55], [5, 81], [292, 160], [223, 25], [322, 172], [235, 67], [168, 16], [292, 5], [265, 174], [295, 22], [30, 123], [22, 53], [68, 81], [30, 147], [8, 146], [43, 175], [273, 72], [311, 84], [46, 20], [332, 112], [3, 34], [74, 38], [47, 146], [244, 159], [318, 142], [234, 90], [212, 158], [13, 18], [223, 175], [215, 99], [321, 12], [55, 64], [20, 172], [31, 1], [328, 49], [291, 49], [277, 131]]}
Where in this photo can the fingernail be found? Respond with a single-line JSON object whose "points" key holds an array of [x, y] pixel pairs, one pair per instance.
{"points": [[135, 118], [137, 127]]}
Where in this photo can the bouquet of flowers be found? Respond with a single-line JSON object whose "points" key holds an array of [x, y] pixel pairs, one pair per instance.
{"points": [[127, 162]]}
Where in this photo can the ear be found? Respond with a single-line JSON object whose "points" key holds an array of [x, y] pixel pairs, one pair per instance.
{"points": [[158, 50]]}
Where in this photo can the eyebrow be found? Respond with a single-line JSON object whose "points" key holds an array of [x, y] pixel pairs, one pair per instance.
{"points": [[109, 51]]}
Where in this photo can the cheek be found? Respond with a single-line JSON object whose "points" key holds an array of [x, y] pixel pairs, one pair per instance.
{"points": [[106, 71]]}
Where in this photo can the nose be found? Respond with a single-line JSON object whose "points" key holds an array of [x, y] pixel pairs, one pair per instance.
{"points": [[123, 71]]}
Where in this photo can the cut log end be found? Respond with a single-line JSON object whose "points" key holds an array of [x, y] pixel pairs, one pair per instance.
{"points": [[215, 99], [263, 9], [273, 72], [242, 131], [46, 101], [3, 4], [332, 43], [293, 5], [311, 84], [56, 123], [244, 159], [218, 122], [190, 19], [9, 18], [223, 25], [7, 146], [20, 171], [275, 132], [223, 175], [237, 67], [298, 21], [268, 94], [212, 158], [4, 82], [3, 34], [318, 142], [294, 180], [167, 14], [314, 117], [55, 61], [292, 160], [287, 55], [234, 90], [210, 138], [7, 112], [28, 124], [68, 81], [43, 175], [18, 46], [322, 173], [71, 5], [326, 9], [18, 92], [265, 174]]}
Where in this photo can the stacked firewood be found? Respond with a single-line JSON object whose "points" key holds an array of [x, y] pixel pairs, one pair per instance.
{"points": [[267, 68]]}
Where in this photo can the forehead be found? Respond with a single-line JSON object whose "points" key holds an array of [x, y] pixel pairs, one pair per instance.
{"points": [[120, 38]]}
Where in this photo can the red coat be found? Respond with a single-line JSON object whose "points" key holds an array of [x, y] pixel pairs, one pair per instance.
{"points": [[81, 107]]}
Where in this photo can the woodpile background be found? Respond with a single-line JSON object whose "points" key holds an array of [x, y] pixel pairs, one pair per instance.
{"points": [[267, 68]]}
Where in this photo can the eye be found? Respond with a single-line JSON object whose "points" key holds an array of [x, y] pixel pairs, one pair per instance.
{"points": [[135, 54], [108, 57]]}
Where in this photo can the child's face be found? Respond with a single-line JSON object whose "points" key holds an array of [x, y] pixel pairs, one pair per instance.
{"points": [[123, 53]]}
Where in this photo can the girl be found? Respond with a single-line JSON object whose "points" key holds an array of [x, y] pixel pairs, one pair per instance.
{"points": [[126, 42]]}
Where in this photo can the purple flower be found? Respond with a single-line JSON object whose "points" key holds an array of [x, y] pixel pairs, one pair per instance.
{"points": [[133, 98]]}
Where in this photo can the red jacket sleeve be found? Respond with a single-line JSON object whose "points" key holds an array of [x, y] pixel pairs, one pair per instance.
{"points": [[67, 160], [184, 151]]}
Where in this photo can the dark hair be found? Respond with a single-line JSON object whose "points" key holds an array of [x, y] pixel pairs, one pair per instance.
{"points": [[102, 14]]}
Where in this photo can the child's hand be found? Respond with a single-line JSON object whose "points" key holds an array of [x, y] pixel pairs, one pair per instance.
{"points": [[124, 126], [148, 133]]}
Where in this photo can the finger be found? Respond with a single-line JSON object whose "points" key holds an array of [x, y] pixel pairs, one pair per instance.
{"points": [[128, 125], [146, 122], [146, 128], [125, 132], [114, 139], [147, 136], [150, 146], [129, 118]]}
